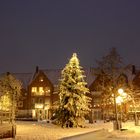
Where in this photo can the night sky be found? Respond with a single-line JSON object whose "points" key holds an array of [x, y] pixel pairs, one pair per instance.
{"points": [[47, 32]]}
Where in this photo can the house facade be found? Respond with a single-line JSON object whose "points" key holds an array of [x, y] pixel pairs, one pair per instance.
{"points": [[103, 108], [40, 93]]}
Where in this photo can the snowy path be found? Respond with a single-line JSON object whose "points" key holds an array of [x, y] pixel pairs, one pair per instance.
{"points": [[132, 132], [105, 135]]}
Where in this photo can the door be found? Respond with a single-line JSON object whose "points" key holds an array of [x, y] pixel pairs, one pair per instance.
{"points": [[40, 114]]}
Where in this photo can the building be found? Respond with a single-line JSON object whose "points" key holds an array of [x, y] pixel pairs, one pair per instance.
{"points": [[39, 93], [103, 108]]}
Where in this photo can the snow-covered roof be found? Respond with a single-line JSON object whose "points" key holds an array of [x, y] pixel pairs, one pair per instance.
{"points": [[52, 74], [25, 78]]}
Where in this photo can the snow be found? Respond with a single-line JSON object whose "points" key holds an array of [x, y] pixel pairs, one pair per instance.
{"points": [[43, 130], [5, 127], [100, 131]]}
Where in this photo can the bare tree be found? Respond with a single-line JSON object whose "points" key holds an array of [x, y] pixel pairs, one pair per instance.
{"points": [[109, 68]]}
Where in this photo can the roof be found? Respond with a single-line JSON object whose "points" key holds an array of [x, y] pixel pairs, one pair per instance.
{"points": [[127, 72], [25, 78], [52, 74]]}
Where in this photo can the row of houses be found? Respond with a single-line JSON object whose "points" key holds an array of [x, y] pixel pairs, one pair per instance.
{"points": [[39, 92]]}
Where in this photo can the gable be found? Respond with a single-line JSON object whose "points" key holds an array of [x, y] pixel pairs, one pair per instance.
{"points": [[40, 79]]}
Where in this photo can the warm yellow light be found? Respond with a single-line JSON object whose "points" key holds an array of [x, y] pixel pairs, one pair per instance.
{"points": [[46, 107], [120, 91], [33, 113], [34, 89], [124, 95], [119, 100], [41, 90], [37, 105]]}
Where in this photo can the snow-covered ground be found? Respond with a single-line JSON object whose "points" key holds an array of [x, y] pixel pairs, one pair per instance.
{"points": [[48, 131]]}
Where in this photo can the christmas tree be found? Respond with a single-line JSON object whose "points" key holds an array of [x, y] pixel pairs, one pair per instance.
{"points": [[74, 102]]}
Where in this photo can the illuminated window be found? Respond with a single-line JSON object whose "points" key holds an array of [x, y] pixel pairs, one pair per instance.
{"points": [[47, 90], [41, 90], [34, 89], [41, 79]]}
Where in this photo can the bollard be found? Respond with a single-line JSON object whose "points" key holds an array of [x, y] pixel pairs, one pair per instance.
{"points": [[13, 131]]}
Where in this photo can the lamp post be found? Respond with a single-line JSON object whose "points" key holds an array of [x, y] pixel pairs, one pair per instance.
{"points": [[119, 100], [116, 122]]}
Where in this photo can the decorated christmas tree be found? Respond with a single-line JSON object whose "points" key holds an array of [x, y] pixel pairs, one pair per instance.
{"points": [[74, 102]]}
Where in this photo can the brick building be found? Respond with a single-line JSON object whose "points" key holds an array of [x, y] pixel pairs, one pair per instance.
{"points": [[39, 92]]}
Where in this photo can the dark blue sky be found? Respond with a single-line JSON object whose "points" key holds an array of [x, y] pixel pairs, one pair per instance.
{"points": [[47, 32]]}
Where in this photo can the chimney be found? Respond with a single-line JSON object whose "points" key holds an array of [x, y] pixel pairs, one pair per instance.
{"points": [[7, 73], [133, 69], [37, 69]]}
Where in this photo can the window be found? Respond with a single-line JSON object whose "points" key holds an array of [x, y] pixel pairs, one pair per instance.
{"points": [[47, 90], [37, 91], [41, 90], [34, 89], [40, 100], [41, 79]]}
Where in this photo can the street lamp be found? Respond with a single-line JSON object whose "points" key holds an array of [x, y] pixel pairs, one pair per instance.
{"points": [[116, 121], [120, 91], [118, 100]]}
